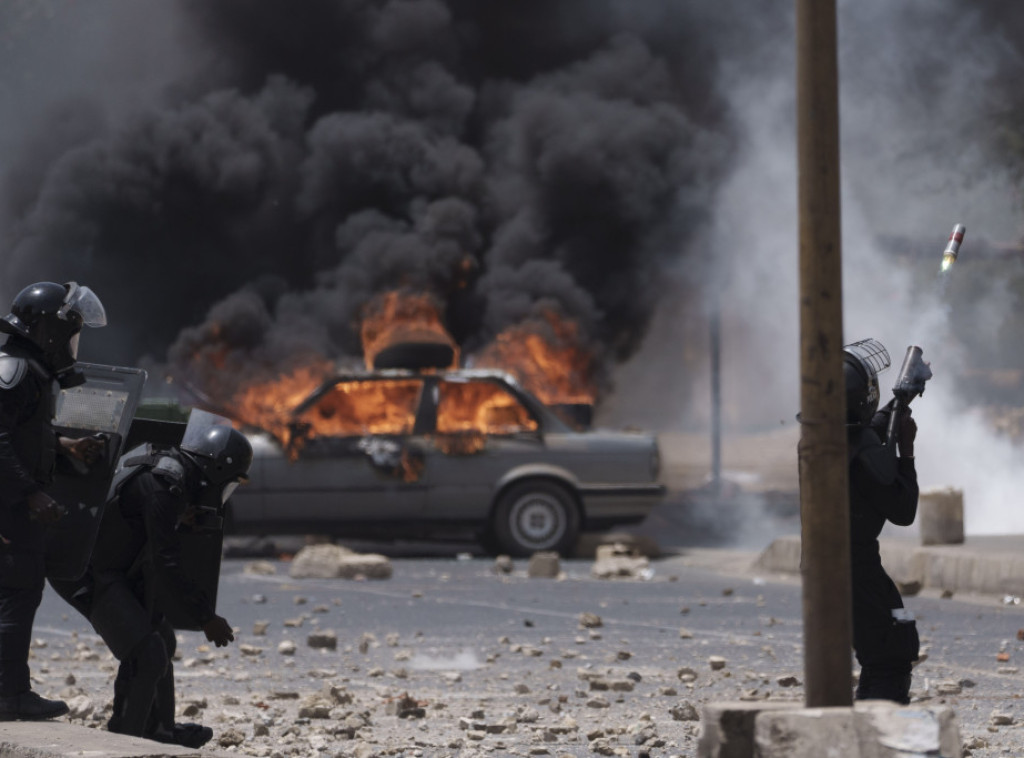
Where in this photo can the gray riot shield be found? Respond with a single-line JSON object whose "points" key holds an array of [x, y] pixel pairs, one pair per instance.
{"points": [[201, 543], [104, 405]]}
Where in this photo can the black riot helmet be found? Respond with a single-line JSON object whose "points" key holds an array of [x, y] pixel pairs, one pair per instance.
{"points": [[862, 362], [223, 455], [50, 316]]}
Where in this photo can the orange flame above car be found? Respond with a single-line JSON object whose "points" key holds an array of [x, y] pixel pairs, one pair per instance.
{"points": [[547, 359]]}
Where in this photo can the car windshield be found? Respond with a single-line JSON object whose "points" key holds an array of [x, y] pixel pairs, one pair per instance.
{"points": [[357, 408], [483, 407]]}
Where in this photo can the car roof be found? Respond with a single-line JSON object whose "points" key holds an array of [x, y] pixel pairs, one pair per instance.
{"points": [[399, 373]]}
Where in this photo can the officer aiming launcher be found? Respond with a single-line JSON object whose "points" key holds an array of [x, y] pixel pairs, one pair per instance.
{"points": [[913, 376]]}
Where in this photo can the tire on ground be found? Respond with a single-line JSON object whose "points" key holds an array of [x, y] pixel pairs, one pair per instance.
{"points": [[535, 515]]}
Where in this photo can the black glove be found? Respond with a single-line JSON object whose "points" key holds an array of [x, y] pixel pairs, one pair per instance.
{"points": [[44, 509], [218, 631], [906, 434]]}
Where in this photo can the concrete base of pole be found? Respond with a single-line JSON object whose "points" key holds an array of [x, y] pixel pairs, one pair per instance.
{"points": [[869, 729], [940, 516]]}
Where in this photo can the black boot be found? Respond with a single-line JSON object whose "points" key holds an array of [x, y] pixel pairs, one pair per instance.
{"points": [[186, 735], [28, 706]]}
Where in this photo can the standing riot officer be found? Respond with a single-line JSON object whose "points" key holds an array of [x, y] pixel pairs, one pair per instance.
{"points": [[139, 570], [883, 487], [37, 359]]}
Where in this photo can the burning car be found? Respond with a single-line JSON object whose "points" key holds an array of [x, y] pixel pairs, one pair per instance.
{"points": [[405, 453]]}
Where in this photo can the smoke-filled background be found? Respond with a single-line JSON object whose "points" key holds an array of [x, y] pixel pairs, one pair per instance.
{"points": [[238, 180]]}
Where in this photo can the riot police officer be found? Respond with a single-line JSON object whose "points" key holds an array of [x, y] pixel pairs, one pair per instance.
{"points": [[138, 569], [37, 359], [883, 487]]}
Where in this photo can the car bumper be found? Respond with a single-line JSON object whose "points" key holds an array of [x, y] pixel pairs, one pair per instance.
{"points": [[608, 505]]}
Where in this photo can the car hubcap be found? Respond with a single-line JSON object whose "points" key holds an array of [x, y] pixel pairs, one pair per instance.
{"points": [[538, 520]]}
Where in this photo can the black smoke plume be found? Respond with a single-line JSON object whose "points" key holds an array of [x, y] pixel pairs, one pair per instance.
{"points": [[510, 158]]}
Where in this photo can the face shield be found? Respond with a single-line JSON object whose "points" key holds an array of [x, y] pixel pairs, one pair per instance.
{"points": [[83, 303]]}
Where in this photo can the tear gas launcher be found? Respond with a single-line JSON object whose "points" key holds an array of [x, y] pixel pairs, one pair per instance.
{"points": [[913, 376]]}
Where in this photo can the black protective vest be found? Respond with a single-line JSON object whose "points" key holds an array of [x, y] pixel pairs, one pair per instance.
{"points": [[34, 440]]}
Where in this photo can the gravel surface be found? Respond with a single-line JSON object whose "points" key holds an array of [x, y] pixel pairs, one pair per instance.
{"points": [[454, 658]]}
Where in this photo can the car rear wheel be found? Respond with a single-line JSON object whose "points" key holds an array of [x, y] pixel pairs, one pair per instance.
{"points": [[536, 515]]}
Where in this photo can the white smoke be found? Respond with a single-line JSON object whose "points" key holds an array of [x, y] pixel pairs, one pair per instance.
{"points": [[911, 165]]}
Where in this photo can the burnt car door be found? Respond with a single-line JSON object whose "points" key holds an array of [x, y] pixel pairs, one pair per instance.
{"points": [[481, 430], [351, 459]]}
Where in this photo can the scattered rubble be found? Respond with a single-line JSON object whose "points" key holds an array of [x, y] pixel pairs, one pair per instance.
{"points": [[327, 561]]}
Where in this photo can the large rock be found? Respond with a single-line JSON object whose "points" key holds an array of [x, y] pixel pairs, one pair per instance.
{"points": [[336, 562]]}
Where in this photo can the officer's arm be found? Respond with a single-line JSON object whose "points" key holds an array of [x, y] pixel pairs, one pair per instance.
{"points": [[888, 483], [161, 519]]}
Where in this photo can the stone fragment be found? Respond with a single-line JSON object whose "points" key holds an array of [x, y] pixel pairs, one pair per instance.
{"points": [[716, 662], [336, 562], [503, 565], [259, 568], [286, 647], [618, 561], [684, 711], [544, 565], [590, 621], [231, 738], [687, 674], [323, 640], [259, 628]]}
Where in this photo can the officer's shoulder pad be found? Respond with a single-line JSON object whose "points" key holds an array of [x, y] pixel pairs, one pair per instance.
{"points": [[169, 467], [12, 370]]}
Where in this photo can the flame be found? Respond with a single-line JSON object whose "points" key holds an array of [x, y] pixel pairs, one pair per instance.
{"points": [[480, 408], [360, 408], [395, 317], [268, 405], [547, 358]]}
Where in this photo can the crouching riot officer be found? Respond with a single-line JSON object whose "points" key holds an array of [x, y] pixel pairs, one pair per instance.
{"points": [[146, 578], [36, 361], [883, 487]]}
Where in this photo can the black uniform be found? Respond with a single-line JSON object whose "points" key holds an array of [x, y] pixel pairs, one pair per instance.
{"points": [[123, 601], [882, 487], [28, 445]]}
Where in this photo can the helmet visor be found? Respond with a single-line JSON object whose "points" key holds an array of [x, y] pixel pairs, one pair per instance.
{"points": [[84, 302], [199, 422]]}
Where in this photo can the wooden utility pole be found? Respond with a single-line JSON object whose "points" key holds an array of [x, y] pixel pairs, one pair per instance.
{"points": [[824, 474]]}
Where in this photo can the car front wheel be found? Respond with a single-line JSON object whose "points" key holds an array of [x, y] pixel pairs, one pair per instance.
{"points": [[536, 515]]}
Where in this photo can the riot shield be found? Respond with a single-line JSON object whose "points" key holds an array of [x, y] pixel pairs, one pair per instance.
{"points": [[104, 405], [201, 544]]}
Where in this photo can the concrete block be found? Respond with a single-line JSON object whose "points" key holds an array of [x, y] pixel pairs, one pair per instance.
{"points": [[59, 739], [727, 728], [806, 733], [781, 556], [870, 729], [940, 516], [887, 730]]}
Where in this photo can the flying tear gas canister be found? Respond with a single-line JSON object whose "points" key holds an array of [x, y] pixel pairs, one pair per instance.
{"points": [[953, 246]]}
